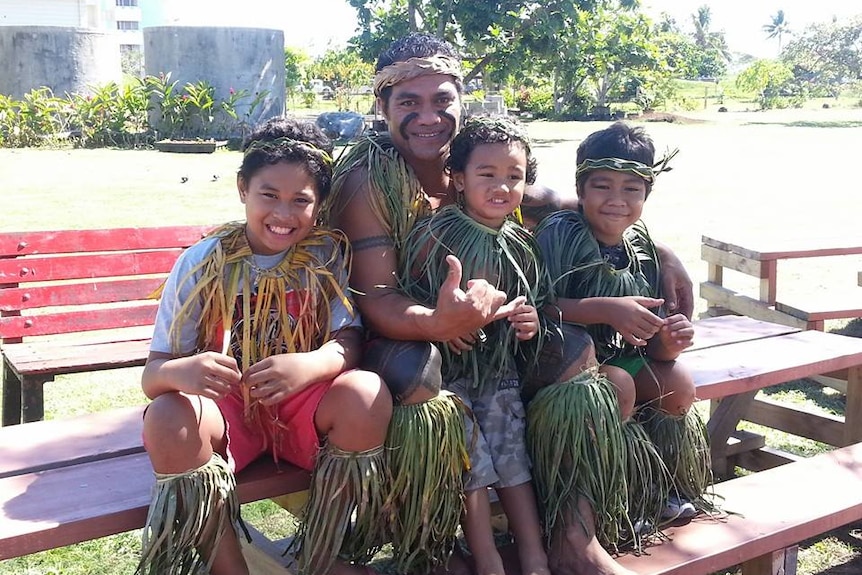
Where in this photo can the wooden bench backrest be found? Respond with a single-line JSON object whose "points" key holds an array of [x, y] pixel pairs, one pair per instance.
{"points": [[56, 282]]}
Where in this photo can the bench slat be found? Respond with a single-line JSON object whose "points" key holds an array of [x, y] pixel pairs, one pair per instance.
{"points": [[37, 446], [736, 368], [789, 247], [86, 266], [772, 515], [63, 506], [113, 317], [78, 293], [73, 241], [30, 359]]}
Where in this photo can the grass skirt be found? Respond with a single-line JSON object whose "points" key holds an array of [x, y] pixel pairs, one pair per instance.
{"points": [[189, 513], [576, 443], [343, 515], [426, 458], [683, 443]]}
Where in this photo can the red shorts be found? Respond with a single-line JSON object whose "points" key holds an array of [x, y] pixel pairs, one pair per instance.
{"points": [[300, 441]]}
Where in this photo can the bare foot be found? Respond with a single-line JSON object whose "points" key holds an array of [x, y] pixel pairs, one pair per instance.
{"points": [[576, 551]]}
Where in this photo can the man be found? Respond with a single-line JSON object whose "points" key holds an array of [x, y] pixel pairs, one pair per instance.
{"points": [[381, 186]]}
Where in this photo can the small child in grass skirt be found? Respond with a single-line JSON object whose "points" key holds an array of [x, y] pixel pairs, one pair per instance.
{"points": [[253, 355], [605, 270], [490, 165]]}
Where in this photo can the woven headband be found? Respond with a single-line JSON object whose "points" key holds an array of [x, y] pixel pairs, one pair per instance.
{"points": [[413, 68], [271, 145], [648, 173]]}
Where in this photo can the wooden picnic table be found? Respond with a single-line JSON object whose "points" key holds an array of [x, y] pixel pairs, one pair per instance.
{"points": [[734, 357], [759, 257]]}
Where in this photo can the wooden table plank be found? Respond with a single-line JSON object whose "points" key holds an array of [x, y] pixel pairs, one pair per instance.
{"points": [[722, 330], [766, 248]]}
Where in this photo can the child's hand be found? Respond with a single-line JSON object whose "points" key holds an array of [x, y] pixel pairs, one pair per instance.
{"points": [[277, 377], [631, 317], [459, 345], [677, 333], [525, 320], [208, 374]]}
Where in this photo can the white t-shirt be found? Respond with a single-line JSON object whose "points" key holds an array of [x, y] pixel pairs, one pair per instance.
{"points": [[174, 294]]}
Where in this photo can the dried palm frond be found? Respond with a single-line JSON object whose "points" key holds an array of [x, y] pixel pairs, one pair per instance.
{"points": [[683, 443], [188, 515], [343, 515], [228, 272], [575, 440], [508, 258], [426, 457], [394, 192], [578, 269]]}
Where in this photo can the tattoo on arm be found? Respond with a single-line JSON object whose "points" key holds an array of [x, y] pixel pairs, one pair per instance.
{"points": [[372, 242]]}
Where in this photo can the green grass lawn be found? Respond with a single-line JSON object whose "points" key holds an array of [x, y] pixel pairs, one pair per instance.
{"points": [[739, 174]]}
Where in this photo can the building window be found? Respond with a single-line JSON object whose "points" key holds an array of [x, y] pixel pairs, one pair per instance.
{"points": [[127, 2], [128, 25]]}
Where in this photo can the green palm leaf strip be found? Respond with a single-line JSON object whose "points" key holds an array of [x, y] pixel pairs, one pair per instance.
{"points": [[576, 444], [578, 269], [426, 456], [508, 258]]}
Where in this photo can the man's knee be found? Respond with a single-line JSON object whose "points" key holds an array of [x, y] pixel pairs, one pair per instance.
{"points": [[411, 369]]}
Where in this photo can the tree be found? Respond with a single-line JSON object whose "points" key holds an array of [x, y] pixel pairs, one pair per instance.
{"points": [[777, 28], [345, 71], [767, 78], [712, 43], [296, 63], [826, 56]]}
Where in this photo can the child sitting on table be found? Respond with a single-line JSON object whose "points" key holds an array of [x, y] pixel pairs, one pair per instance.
{"points": [[490, 164], [253, 354]]}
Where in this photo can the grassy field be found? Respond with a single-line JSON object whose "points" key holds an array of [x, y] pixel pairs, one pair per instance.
{"points": [[738, 175]]}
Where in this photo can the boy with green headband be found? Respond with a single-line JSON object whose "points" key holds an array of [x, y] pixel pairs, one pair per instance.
{"points": [[253, 355], [606, 273]]}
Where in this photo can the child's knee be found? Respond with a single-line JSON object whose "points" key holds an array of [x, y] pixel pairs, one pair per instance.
{"points": [[359, 404], [624, 387], [680, 392]]}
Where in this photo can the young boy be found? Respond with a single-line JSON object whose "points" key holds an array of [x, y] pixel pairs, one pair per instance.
{"points": [[606, 268], [253, 354], [490, 165]]}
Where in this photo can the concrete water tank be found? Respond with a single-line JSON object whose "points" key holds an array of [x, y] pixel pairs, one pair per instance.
{"points": [[62, 58], [228, 58]]}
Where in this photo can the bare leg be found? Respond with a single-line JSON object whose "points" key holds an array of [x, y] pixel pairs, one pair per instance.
{"points": [[476, 523], [181, 433], [576, 551], [519, 503]]}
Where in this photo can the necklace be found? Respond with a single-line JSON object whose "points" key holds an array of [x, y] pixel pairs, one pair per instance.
{"points": [[275, 272]]}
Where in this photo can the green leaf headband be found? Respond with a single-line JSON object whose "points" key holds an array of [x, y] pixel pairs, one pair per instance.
{"points": [[273, 145], [397, 72], [648, 173]]}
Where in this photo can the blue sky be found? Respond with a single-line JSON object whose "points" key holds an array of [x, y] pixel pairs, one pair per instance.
{"points": [[317, 24]]}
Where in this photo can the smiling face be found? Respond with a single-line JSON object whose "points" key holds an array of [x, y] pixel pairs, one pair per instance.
{"points": [[493, 182], [612, 201], [423, 116], [280, 206]]}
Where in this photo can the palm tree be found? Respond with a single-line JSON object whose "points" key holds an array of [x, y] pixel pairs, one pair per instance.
{"points": [[701, 22], [777, 28]]}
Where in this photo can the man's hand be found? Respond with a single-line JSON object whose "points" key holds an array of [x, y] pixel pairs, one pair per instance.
{"points": [[676, 284], [460, 312]]}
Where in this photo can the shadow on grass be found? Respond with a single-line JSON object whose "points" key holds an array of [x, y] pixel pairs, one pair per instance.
{"points": [[811, 124], [549, 142]]}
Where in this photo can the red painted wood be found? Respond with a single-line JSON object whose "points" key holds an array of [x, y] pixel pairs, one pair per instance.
{"points": [[762, 248], [74, 241], [63, 506], [738, 367], [38, 446], [722, 330], [117, 264], [43, 359], [79, 293], [80, 321]]}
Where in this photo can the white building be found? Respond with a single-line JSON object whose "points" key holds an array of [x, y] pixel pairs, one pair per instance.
{"points": [[122, 17]]}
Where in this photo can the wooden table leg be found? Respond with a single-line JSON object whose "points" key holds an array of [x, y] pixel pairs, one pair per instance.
{"points": [[853, 409], [722, 422], [33, 399], [11, 396]]}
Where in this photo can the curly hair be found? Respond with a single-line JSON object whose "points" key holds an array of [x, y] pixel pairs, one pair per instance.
{"points": [[479, 130], [290, 140]]}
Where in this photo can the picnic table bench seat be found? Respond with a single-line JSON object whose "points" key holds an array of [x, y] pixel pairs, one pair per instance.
{"points": [[94, 285], [69, 480]]}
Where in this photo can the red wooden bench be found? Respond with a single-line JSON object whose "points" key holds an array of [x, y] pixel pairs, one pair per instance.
{"points": [[93, 282], [64, 481]]}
